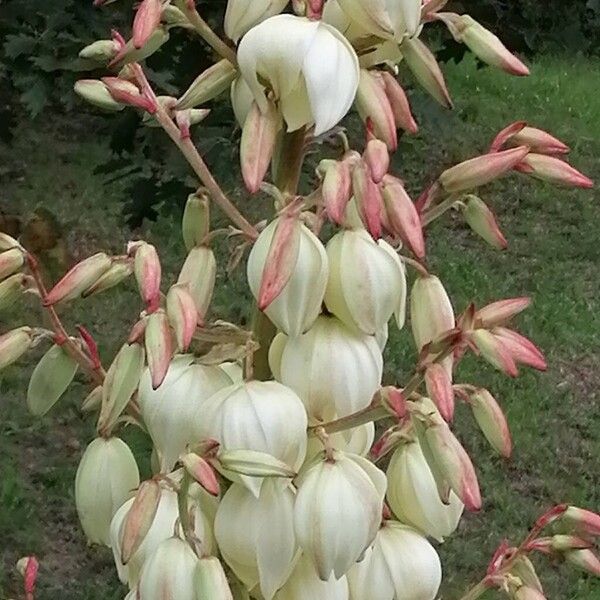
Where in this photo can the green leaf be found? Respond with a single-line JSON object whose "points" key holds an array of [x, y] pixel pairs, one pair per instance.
{"points": [[17, 45], [50, 379]]}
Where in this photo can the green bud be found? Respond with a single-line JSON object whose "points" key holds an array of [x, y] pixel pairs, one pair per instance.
{"points": [[254, 464], [96, 93], [173, 17], [14, 344], [11, 289], [196, 220], [100, 51], [208, 85]]}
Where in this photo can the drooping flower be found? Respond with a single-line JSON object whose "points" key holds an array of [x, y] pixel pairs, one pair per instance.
{"points": [[242, 15], [309, 66]]}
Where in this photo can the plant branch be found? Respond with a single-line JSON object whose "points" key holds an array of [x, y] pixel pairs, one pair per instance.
{"points": [[437, 211], [189, 151]]}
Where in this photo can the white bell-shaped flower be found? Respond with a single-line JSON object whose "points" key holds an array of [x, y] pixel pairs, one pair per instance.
{"points": [[335, 370], [169, 412], [400, 565], [168, 574], [264, 416], [256, 535], [413, 496], [162, 529], [310, 66], [338, 511], [357, 440], [400, 310], [299, 303], [106, 477], [304, 584], [365, 281], [242, 15]]}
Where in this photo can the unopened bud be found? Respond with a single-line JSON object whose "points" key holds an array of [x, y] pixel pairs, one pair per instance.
{"points": [[540, 142], [254, 464], [79, 279], [95, 92], [210, 580], [257, 145], [28, 567], [8, 242], [148, 273], [481, 170], [12, 288], [508, 134], [402, 215], [208, 85], [562, 543], [498, 313], [587, 560], [199, 272], [491, 421], [120, 270], [373, 105], [523, 569], [399, 103], [100, 51], [426, 69], [130, 54], [336, 188], [494, 351], [93, 400], [554, 171], [10, 262], [183, 316], [583, 520], [523, 350], [159, 347], [147, 19], [376, 155], [196, 220], [439, 389], [368, 198], [393, 399], [483, 222], [202, 472], [128, 93]]}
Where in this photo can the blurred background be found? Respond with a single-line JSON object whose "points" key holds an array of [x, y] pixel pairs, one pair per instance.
{"points": [[74, 181]]}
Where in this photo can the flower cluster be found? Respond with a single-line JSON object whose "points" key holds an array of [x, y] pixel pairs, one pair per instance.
{"points": [[269, 479]]}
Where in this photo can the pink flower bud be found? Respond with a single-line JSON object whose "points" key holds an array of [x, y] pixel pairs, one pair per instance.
{"points": [[402, 215], [139, 518], [399, 103], [125, 92], [159, 347], [455, 464], [28, 567], [483, 222], [147, 19], [393, 399], [426, 69], [585, 521], [374, 106], [439, 389], [148, 273], [562, 542], [508, 133], [553, 170], [80, 278], [500, 312], [494, 351], [586, 560], [336, 188], [539, 141], [376, 155], [368, 198], [10, 262], [522, 350], [258, 144], [202, 472], [182, 314], [481, 170], [491, 421], [281, 259]]}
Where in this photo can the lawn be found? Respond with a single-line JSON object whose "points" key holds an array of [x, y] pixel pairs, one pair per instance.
{"points": [[553, 256]]}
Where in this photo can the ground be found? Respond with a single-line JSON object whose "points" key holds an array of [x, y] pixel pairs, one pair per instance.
{"points": [[553, 256]]}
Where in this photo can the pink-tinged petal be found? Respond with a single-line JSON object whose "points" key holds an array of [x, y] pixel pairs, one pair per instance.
{"points": [[368, 198], [147, 19], [523, 351], [399, 103], [508, 133], [500, 312], [439, 389], [553, 170]]}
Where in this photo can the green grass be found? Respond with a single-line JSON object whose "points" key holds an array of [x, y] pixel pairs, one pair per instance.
{"points": [[553, 256]]}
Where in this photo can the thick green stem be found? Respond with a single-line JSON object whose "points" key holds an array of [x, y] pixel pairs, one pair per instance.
{"points": [[439, 210]]}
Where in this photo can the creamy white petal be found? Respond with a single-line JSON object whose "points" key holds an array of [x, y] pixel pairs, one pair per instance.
{"points": [[241, 15]]}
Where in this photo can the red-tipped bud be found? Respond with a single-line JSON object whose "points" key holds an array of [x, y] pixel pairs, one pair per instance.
{"points": [[500, 312], [508, 133], [554, 171], [159, 347], [439, 389], [586, 521], [426, 69], [522, 350], [376, 155], [494, 351], [491, 421], [182, 314], [148, 273], [455, 464], [258, 144], [336, 188], [125, 92], [374, 107], [483, 43], [139, 518], [281, 259], [10, 262], [402, 215], [429, 197], [80, 278], [586, 560], [539, 141], [483, 222], [202, 472], [368, 198], [147, 19], [28, 567], [399, 103], [481, 170]]}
